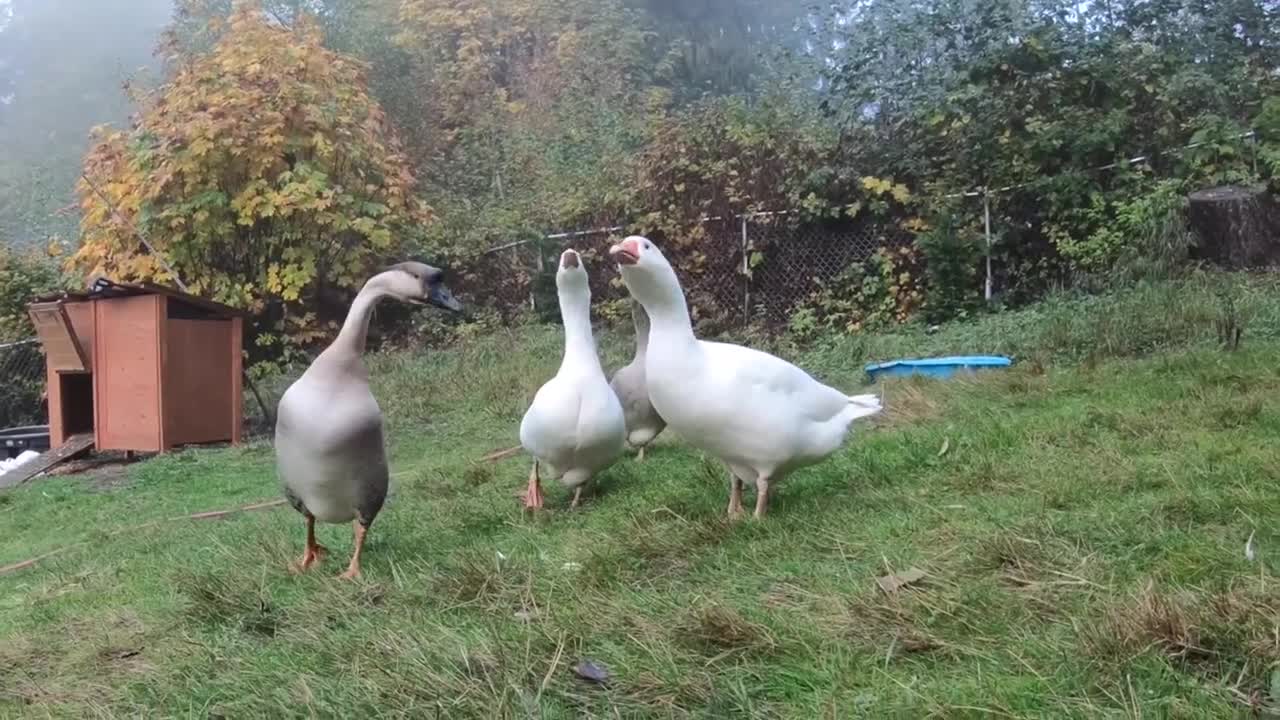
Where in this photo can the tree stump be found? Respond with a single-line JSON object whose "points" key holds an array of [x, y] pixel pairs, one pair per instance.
{"points": [[1236, 227]]}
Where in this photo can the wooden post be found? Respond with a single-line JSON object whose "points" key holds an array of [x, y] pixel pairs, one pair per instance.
{"points": [[237, 373], [1253, 146], [986, 217]]}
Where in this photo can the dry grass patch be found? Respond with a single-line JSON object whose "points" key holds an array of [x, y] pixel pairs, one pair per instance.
{"points": [[1230, 636], [716, 628]]}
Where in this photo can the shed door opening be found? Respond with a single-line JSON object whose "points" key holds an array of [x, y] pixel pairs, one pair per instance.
{"points": [[77, 402]]}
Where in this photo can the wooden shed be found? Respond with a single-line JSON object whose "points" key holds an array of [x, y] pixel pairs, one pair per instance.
{"points": [[141, 367]]}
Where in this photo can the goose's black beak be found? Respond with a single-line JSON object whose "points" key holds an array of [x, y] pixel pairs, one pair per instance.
{"points": [[440, 296]]}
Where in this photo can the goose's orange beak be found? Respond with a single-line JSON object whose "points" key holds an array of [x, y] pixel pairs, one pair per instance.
{"points": [[626, 252]]}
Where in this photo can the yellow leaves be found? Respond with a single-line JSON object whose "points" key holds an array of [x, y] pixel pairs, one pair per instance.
{"points": [[876, 185], [242, 187], [881, 186], [274, 282], [290, 279], [200, 147]]}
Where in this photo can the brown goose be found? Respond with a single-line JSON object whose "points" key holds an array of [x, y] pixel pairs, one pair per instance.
{"points": [[329, 446]]}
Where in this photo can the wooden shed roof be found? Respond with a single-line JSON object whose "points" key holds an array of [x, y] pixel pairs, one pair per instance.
{"points": [[104, 288]]}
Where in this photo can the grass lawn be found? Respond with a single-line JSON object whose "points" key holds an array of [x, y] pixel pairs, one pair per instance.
{"points": [[1081, 520]]}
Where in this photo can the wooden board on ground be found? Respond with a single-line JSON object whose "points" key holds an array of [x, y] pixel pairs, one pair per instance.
{"points": [[74, 446]]}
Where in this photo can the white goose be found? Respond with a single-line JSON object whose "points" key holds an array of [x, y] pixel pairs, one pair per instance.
{"points": [[761, 415], [643, 422], [329, 445], [575, 425]]}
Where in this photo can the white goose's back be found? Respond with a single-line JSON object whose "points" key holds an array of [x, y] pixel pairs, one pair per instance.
{"points": [[746, 406]]}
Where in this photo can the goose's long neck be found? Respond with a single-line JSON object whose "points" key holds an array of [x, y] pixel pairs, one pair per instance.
{"points": [[579, 345], [641, 321], [355, 330], [669, 318]]}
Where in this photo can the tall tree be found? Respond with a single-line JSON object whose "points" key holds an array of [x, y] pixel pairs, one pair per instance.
{"points": [[721, 47], [262, 173], [526, 106]]}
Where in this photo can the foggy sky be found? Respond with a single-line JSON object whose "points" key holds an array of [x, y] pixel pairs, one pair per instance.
{"points": [[62, 63]]}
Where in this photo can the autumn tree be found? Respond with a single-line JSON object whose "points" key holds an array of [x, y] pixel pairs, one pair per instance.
{"points": [[263, 173], [527, 108]]}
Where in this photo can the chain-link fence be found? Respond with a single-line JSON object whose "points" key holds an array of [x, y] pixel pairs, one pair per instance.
{"points": [[750, 270], [21, 384]]}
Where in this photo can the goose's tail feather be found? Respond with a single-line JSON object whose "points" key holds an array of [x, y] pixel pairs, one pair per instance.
{"points": [[867, 405]]}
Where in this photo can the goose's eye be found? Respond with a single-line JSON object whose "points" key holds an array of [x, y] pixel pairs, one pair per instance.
{"points": [[647, 246]]}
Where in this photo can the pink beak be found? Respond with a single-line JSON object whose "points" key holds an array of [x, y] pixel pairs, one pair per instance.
{"points": [[626, 252]]}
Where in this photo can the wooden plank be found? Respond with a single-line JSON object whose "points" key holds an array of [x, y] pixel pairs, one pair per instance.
{"points": [[81, 316], [75, 446], [61, 348], [104, 288], [199, 375], [237, 373], [127, 413], [161, 330]]}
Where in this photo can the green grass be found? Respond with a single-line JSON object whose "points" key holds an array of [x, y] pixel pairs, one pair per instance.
{"points": [[1083, 535]]}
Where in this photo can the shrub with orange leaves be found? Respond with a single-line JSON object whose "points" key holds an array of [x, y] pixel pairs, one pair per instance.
{"points": [[263, 172]]}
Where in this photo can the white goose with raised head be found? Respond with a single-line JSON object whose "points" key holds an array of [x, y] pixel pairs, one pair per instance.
{"points": [[575, 427], [759, 414], [329, 446]]}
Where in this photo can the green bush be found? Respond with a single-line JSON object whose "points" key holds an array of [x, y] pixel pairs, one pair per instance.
{"points": [[885, 290], [953, 255], [1267, 125], [23, 276]]}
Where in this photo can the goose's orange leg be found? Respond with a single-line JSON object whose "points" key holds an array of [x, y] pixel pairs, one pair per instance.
{"points": [[735, 496], [533, 497], [314, 552], [353, 569], [762, 496]]}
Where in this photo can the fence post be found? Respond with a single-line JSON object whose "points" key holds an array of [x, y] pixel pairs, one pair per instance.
{"points": [[746, 273], [986, 217], [1253, 146]]}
